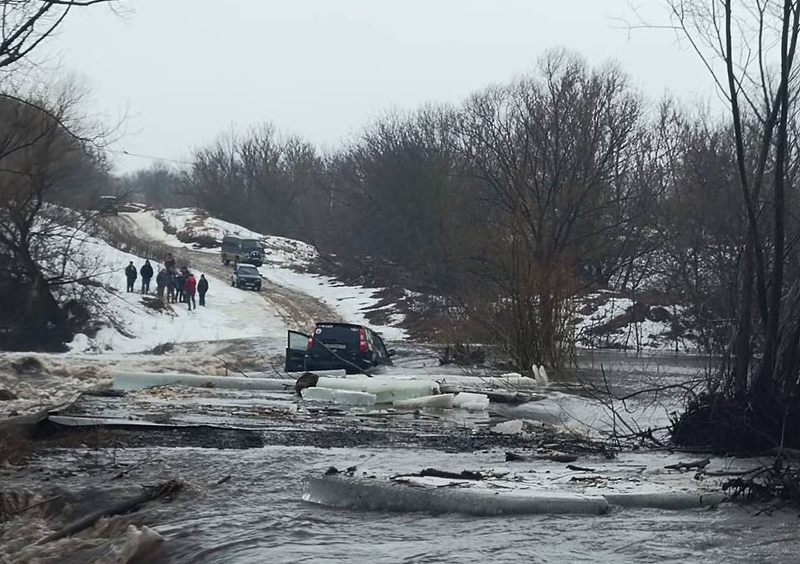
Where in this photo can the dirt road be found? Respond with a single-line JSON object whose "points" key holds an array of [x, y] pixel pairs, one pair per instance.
{"points": [[295, 308]]}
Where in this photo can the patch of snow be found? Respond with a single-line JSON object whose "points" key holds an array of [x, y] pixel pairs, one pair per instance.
{"points": [[229, 314], [285, 264], [350, 302]]}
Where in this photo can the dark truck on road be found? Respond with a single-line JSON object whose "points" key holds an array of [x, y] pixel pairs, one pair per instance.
{"points": [[108, 205], [336, 346], [240, 249], [246, 276]]}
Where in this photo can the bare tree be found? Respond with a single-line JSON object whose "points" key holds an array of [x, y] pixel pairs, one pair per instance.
{"points": [[552, 153], [26, 24], [39, 156], [254, 178], [750, 48]]}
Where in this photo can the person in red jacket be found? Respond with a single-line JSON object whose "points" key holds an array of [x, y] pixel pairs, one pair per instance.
{"points": [[189, 288]]}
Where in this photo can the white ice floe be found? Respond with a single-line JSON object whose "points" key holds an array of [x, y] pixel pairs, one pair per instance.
{"points": [[379, 495], [140, 380], [441, 401], [386, 390], [633, 480], [341, 397], [471, 402], [513, 427]]}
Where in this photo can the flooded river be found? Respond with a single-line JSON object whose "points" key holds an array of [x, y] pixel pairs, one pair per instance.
{"points": [[259, 515]]}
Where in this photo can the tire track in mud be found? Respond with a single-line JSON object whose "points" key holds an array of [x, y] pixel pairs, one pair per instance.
{"points": [[296, 309]]}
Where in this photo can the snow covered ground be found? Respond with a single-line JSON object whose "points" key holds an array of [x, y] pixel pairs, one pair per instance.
{"points": [[198, 222], [134, 326], [350, 302], [604, 319], [285, 264]]}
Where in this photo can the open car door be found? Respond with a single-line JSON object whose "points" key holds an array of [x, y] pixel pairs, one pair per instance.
{"points": [[296, 351]]}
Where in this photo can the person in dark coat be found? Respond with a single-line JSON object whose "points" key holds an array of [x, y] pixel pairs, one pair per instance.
{"points": [[161, 283], [169, 262], [202, 288], [147, 275], [130, 274], [180, 281], [170, 286], [189, 288]]}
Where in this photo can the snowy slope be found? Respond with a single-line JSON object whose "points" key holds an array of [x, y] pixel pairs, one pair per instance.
{"points": [[196, 222], [350, 302], [230, 314], [286, 262], [604, 319]]}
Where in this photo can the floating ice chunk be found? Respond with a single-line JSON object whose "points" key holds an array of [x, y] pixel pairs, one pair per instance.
{"points": [[441, 401], [386, 390], [513, 427], [470, 401], [546, 410], [80, 343], [439, 495], [674, 500], [382, 495], [454, 384], [541, 377], [341, 397], [511, 375], [140, 380]]}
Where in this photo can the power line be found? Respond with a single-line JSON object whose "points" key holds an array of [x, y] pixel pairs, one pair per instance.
{"points": [[150, 157]]}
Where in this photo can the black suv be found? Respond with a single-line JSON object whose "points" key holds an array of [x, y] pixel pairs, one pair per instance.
{"points": [[336, 346], [246, 276]]}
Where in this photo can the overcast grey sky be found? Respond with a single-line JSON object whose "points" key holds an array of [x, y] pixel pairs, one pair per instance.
{"points": [[186, 70]]}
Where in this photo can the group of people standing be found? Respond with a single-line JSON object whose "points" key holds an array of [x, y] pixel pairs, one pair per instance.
{"points": [[179, 283]]}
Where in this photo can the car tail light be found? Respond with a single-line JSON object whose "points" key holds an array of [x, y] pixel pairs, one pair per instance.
{"points": [[310, 343], [362, 340]]}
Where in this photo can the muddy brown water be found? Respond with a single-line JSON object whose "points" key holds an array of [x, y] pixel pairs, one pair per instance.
{"points": [[260, 516]]}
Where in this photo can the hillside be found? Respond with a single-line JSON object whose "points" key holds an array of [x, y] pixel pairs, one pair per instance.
{"points": [[602, 319]]}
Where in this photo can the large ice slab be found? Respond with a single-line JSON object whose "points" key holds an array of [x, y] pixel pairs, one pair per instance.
{"points": [[386, 390], [441, 401], [381, 495], [472, 402], [139, 380], [341, 397], [490, 497]]}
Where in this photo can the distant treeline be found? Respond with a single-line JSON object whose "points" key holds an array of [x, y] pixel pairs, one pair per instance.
{"points": [[509, 204]]}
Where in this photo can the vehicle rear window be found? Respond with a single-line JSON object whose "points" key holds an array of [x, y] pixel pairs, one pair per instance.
{"points": [[251, 244], [248, 271], [337, 334]]}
